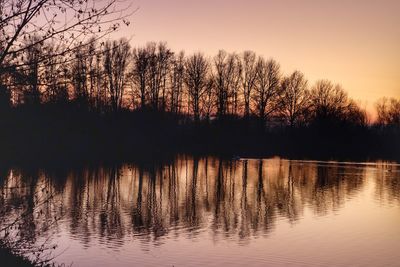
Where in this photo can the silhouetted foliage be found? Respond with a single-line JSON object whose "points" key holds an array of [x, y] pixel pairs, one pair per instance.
{"points": [[249, 77], [226, 80], [116, 56], [267, 89], [388, 112], [105, 98], [196, 80], [295, 99], [44, 57]]}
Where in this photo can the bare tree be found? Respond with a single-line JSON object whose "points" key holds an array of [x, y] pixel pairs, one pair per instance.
{"points": [[266, 87], [226, 80], [382, 111], [26, 24], [295, 97], [116, 60], [235, 83], [388, 111], [97, 76], [79, 77], [196, 81], [92, 71], [164, 61], [249, 76], [141, 60], [356, 115], [208, 99], [394, 111], [65, 21], [32, 94], [177, 75], [159, 61], [221, 81], [55, 89], [328, 101]]}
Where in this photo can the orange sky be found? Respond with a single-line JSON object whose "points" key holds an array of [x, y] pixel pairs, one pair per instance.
{"points": [[352, 42]]}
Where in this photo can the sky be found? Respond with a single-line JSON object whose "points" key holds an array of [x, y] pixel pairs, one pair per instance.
{"points": [[350, 42]]}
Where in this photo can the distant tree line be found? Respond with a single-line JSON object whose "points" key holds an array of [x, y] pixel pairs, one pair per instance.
{"points": [[106, 99], [111, 76]]}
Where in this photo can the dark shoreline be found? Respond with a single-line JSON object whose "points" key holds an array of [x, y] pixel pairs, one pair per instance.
{"points": [[50, 135]]}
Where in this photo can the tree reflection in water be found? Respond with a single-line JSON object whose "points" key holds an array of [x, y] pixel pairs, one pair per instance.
{"points": [[232, 199]]}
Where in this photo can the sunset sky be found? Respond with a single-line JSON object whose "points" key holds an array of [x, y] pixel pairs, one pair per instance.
{"points": [[355, 43]]}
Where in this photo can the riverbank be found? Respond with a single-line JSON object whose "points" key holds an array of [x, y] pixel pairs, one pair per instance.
{"points": [[46, 135]]}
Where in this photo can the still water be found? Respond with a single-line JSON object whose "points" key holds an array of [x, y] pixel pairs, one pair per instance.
{"points": [[210, 212]]}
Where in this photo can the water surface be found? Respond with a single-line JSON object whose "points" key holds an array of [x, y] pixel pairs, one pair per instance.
{"points": [[210, 212]]}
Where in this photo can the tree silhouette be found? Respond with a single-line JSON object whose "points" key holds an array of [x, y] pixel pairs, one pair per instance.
{"points": [[243, 92], [79, 78], [196, 81], [116, 60], [159, 63], [227, 72], [55, 90], [388, 111], [177, 76], [294, 101], [249, 78], [32, 94], [267, 89], [22, 20], [329, 102], [141, 61]]}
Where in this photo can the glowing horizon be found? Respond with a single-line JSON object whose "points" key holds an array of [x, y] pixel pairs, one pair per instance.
{"points": [[355, 44]]}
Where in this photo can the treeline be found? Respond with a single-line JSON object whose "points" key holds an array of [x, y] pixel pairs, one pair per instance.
{"points": [[229, 100], [110, 76]]}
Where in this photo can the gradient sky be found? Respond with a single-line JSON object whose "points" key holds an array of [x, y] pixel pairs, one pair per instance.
{"points": [[354, 43]]}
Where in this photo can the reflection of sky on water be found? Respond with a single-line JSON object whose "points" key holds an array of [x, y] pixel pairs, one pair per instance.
{"points": [[212, 212]]}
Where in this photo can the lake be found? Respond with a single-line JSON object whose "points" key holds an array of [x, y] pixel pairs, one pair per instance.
{"points": [[207, 212]]}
